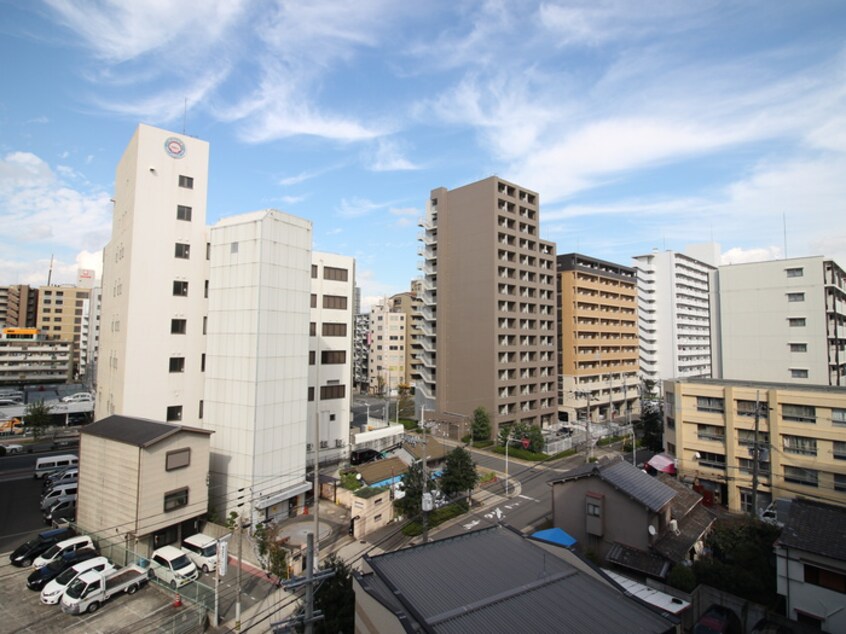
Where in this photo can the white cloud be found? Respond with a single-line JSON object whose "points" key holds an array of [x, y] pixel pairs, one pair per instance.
{"points": [[738, 255], [358, 207], [389, 157]]}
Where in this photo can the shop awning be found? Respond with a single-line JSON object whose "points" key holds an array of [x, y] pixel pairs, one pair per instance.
{"points": [[663, 463]]}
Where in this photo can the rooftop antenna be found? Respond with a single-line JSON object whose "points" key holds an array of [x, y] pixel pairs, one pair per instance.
{"points": [[50, 272]]}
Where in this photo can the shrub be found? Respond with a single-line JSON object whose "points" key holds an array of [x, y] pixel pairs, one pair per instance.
{"points": [[436, 517], [523, 454]]}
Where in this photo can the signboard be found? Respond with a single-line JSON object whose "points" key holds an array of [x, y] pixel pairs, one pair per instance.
{"points": [[525, 443], [223, 554]]}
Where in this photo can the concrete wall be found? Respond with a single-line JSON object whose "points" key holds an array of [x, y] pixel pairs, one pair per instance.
{"points": [[371, 617], [810, 599], [373, 513], [109, 478]]}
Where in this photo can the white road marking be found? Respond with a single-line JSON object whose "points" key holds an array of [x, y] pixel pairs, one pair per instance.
{"points": [[526, 497], [467, 527]]}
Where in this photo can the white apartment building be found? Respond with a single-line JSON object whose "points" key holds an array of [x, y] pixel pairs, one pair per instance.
{"points": [[330, 377], [781, 321], [386, 363], [155, 269], [674, 315], [210, 327]]}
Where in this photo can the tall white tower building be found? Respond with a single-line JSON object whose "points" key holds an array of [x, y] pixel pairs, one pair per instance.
{"points": [[154, 274], [674, 315]]}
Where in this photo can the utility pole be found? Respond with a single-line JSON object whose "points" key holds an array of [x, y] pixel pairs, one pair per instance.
{"points": [[507, 442], [587, 394], [238, 581], [317, 487], [309, 598], [426, 502], [311, 579], [756, 452]]}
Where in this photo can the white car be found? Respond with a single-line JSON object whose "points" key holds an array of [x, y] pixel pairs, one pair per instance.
{"points": [[79, 397], [53, 591], [202, 550], [57, 550], [173, 567], [10, 449]]}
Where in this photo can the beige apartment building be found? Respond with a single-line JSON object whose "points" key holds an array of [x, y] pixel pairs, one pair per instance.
{"points": [[709, 425], [63, 314], [488, 331], [387, 358], [409, 303], [597, 339]]}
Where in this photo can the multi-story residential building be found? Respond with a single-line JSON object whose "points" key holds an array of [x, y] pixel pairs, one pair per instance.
{"points": [[28, 357], [408, 303], [361, 352], [781, 321], [386, 365], [488, 331], [210, 327], [93, 352], [17, 306], [710, 426], [674, 316], [330, 355], [63, 314], [597, 338]]}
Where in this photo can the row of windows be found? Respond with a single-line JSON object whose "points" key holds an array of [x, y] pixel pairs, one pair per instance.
{"points": [[331, 273], [328, 392]]}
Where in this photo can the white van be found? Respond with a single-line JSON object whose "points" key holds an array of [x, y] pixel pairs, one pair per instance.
{"points": [[173, 567], [202, 550], [58, 492], [53, 591], [67, 546], [49, 464]]}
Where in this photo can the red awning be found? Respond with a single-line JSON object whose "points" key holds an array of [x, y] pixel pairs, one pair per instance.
{"points": [[663, 462]]}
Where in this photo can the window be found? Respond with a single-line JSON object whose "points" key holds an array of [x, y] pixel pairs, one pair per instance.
{"points": [[592, 509], [795, 322], [713, 460], [796, 297], [233, 248], [174, 413], [332, 273], [799, 413], [177, 499], [747, 437], [178, 326], [706, 404], [182, 250], [203, 362], [746, 465], [800, 445], [177, 364], [177, 459], [334, 330], [200, 414], [747, 408], [798, 373], [796, 272], [180, 288], [838, 416], [798, 347], [806, 477], [671, 422], [825, 578], [205, 324], [311, 357], [206, 290], [313, 300], [314, 271], [839, 450], [208, 250], [312, 329], [710, 432], [335, 301], [328, 392], [310, 394], [839, 482], [328, 357], [186, 181]]}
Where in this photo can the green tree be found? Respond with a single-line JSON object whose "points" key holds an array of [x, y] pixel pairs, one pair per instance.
{"points": [[652, 422], [459, 474], [38, 417], [412, 485], [335, 598], [271, 551], [521, 431], [682, 577], [481, 427]]}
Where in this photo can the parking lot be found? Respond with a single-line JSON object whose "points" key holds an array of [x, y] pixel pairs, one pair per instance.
{"points": [[21, 610]]}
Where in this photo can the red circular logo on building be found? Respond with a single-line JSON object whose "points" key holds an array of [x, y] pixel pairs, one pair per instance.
{"points": [[175, 147]]}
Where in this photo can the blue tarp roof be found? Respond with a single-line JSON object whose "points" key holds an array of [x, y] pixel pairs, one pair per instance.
{"points": [[555, 536]]}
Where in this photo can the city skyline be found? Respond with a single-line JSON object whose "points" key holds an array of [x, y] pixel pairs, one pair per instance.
{"points": [[640, 127]]}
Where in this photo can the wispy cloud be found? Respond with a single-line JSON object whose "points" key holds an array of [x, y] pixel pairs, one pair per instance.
{"points": [[389, 157], [358, 207]]}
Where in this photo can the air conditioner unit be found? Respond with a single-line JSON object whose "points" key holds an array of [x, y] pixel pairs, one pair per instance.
{"points": [[309, 447], [339, 443], [324, 444]]}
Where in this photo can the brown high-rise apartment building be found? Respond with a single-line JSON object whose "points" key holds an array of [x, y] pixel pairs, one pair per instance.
{"points": [[487, 333], [17, 306], [597, 338]]}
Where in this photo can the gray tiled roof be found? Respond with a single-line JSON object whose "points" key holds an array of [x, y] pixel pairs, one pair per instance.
{"points": [[817, 528], [638, 485], [691, 528], [639, 560], [138, 432], [496, 580]]}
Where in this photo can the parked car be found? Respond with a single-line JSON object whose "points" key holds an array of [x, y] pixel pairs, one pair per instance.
{"points": [[91, 588], [53, 591], [59, 549], [68, 474], [40, 577], [63, 510], [26, 553], [59, 491], [173, 567], [79, 397], [10, 449], [202, 550], [51, 464]]}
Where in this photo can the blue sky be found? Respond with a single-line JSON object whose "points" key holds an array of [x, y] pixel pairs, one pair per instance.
{"points": [[641, 124]]}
